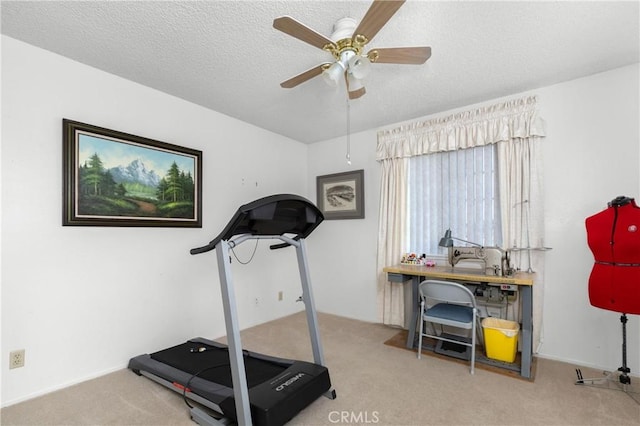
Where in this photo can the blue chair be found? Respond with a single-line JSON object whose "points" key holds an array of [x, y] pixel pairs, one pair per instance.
{"points": [[448, 304]]}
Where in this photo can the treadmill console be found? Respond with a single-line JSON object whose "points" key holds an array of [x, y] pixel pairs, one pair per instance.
{"points": [[273, 215]]}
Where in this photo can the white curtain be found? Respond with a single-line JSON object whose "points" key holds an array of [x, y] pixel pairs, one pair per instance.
{"points": [[391, 237], [516, 127], [492, 124], [522, 210]]}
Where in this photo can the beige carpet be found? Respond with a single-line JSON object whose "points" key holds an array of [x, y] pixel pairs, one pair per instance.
{"points": [[375, 384]]}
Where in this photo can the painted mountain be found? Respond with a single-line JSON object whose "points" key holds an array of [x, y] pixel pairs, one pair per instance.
{"points": [[137, 179], [135, 172]]}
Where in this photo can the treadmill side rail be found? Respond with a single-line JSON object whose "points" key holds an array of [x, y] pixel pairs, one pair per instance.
{"points": [[238, 374], [309, 303]]}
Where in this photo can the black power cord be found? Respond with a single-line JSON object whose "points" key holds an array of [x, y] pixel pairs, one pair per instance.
{"points": [[252, 254], [186, 386]]}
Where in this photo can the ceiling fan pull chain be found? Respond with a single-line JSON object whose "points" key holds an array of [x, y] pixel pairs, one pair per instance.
{"points": [[348, 132]]}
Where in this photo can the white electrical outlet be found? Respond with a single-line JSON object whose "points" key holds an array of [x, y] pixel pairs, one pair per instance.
{"points": [[16, 359]]}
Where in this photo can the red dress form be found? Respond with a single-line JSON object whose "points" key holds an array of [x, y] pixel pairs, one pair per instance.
{"points": [[613, 235]]}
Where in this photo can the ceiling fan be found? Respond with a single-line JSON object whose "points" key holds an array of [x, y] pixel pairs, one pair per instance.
{"points": [[347, 44]]}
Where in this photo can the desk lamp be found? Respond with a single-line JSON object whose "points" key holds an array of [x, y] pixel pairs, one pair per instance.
{"points": [[447, 240]]}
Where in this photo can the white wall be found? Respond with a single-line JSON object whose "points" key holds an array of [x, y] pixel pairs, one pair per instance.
{"points": [[344, 253], [82, 300], [591, 155]]}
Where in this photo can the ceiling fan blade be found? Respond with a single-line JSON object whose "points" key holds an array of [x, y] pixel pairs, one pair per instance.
{"points": [[296, 29], [357, 93], [400, 55], [302, 77], [378, 14]]}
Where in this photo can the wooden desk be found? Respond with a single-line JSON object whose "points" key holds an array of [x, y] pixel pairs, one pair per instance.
{"points": [[524, 281]]}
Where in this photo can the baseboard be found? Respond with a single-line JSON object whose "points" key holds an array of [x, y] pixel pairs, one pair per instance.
{"points": [[582, 364], [61, 386]]}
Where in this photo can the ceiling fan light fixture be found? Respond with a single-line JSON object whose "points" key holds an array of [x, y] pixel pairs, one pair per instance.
{"points": [[355, 87], [354, 82], [359, 66], [333, 74]]}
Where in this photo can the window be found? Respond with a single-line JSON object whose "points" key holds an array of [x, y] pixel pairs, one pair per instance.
{"points": [[455, 190]]}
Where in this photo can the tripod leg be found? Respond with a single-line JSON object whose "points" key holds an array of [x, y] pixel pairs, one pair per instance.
{"points": [[608, 380]]}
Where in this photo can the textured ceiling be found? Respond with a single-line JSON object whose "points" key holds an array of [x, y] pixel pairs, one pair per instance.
{"points": [[226, 56]]}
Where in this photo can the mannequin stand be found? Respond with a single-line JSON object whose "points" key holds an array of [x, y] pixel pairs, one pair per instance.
{"points": [[617, 380]]}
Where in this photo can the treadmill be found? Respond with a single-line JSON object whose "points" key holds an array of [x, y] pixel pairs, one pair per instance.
{"points": [[240, 386]]}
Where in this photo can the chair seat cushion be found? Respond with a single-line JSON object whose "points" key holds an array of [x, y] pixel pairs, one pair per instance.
{"points": [[447, 311]]}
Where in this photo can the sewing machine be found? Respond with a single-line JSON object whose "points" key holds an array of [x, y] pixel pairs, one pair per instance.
{"points": [[496, 260]]}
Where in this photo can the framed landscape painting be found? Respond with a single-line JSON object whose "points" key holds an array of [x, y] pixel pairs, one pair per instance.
{"points": [[112, 178], [341, 195]]}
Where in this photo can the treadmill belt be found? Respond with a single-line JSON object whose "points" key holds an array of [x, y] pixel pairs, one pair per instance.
{"points": [[213, 364]]}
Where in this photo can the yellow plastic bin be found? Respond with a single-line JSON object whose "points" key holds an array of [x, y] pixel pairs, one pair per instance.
{"points": [[501, 338]]}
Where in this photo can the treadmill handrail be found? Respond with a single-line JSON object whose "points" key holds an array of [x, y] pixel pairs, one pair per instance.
{"points": [[204, 249], [286, 242]]}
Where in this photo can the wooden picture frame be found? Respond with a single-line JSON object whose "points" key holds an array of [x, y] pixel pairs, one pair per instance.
{"points": [[341, 195], [112, 178]]}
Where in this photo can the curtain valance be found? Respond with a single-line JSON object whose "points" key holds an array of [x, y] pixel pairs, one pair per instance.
{"points": [[500, 122]]}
